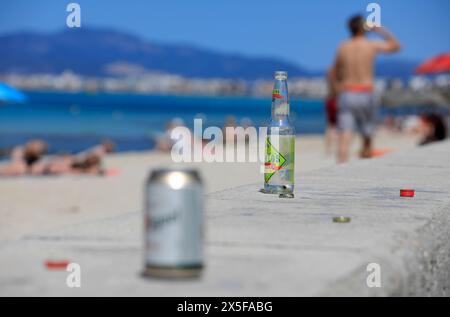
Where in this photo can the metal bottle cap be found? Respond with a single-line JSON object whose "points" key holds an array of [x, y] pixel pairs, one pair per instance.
{"points": [[286, 195], [281, 75], [342, 219]]}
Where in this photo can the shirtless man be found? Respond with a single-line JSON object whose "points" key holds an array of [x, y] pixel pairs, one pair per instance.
{"points": [[353, 75]]}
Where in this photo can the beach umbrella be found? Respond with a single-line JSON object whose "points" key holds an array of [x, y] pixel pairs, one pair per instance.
{"points": [[9, 94], [437, 64]]}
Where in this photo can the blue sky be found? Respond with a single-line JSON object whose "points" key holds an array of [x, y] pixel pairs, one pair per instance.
{"points": [[303, 31]]}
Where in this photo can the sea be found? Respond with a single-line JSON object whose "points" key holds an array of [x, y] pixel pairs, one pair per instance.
{"points": [[72, 122]]}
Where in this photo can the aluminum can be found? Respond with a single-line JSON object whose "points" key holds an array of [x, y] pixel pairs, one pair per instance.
{"points": [[174, 223]]}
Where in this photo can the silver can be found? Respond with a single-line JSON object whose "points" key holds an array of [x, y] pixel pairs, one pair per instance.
{"points": [[173, 224]]}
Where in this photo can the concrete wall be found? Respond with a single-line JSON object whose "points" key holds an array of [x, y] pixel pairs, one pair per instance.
{"points": [[260, 245]]}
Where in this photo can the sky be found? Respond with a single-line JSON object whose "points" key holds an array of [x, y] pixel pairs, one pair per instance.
{"points": [[305, 32]]}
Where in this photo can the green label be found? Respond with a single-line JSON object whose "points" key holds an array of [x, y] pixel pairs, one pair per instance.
{"points": [[279, 158]]}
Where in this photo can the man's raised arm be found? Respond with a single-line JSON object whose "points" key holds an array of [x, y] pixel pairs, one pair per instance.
{"points": [[390, 43]]}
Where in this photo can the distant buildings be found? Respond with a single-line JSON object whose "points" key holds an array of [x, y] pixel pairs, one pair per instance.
{"points": [[152, 83], [161, 83]]}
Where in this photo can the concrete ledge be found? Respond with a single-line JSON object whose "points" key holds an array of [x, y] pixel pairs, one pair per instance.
{"points": [[259, 245], [409, 238]]}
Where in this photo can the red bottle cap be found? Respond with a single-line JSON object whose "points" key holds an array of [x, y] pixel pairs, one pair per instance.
{"points": [[407, 192], [56, 265]]}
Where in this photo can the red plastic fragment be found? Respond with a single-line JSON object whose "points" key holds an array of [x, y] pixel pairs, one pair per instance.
{"points": [[56, 265]]}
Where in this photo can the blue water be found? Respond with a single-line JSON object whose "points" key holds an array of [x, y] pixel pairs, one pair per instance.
{"points": [[71, 122]]}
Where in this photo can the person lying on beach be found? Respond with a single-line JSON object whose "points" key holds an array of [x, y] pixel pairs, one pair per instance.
{"points": [[24, 158], [101, 150], [69, 164], [87, 162]]}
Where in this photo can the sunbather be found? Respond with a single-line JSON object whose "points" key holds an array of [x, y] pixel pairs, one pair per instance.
{"points": [[23, 158], [30, 161]]}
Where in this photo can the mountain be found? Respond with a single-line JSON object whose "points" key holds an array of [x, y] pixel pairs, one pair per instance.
{"points": [[105, 52], [101, 52]]}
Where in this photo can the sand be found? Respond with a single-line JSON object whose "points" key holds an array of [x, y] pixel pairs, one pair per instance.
{"points": [[30, 205]]}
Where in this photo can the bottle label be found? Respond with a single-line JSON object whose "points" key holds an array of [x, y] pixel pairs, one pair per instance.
{"points": [[279, 162], [277, 94]]}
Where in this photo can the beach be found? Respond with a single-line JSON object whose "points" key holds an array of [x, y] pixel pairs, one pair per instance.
{"points": [[32, 205], [168, 150]]}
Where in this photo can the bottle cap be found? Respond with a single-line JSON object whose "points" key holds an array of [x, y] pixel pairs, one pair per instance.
{"points": [[286, 195], [407, 192], [342, 219], [282, 74]]}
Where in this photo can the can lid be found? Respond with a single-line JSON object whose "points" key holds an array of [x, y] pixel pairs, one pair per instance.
{"points": [[164, 174], [407, 192]]}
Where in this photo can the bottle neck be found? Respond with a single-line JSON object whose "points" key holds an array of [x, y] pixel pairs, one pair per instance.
{"points": [[280, 100]]}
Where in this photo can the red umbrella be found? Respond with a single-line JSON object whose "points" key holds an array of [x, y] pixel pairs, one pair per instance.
{"points": [[437, 64]]}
